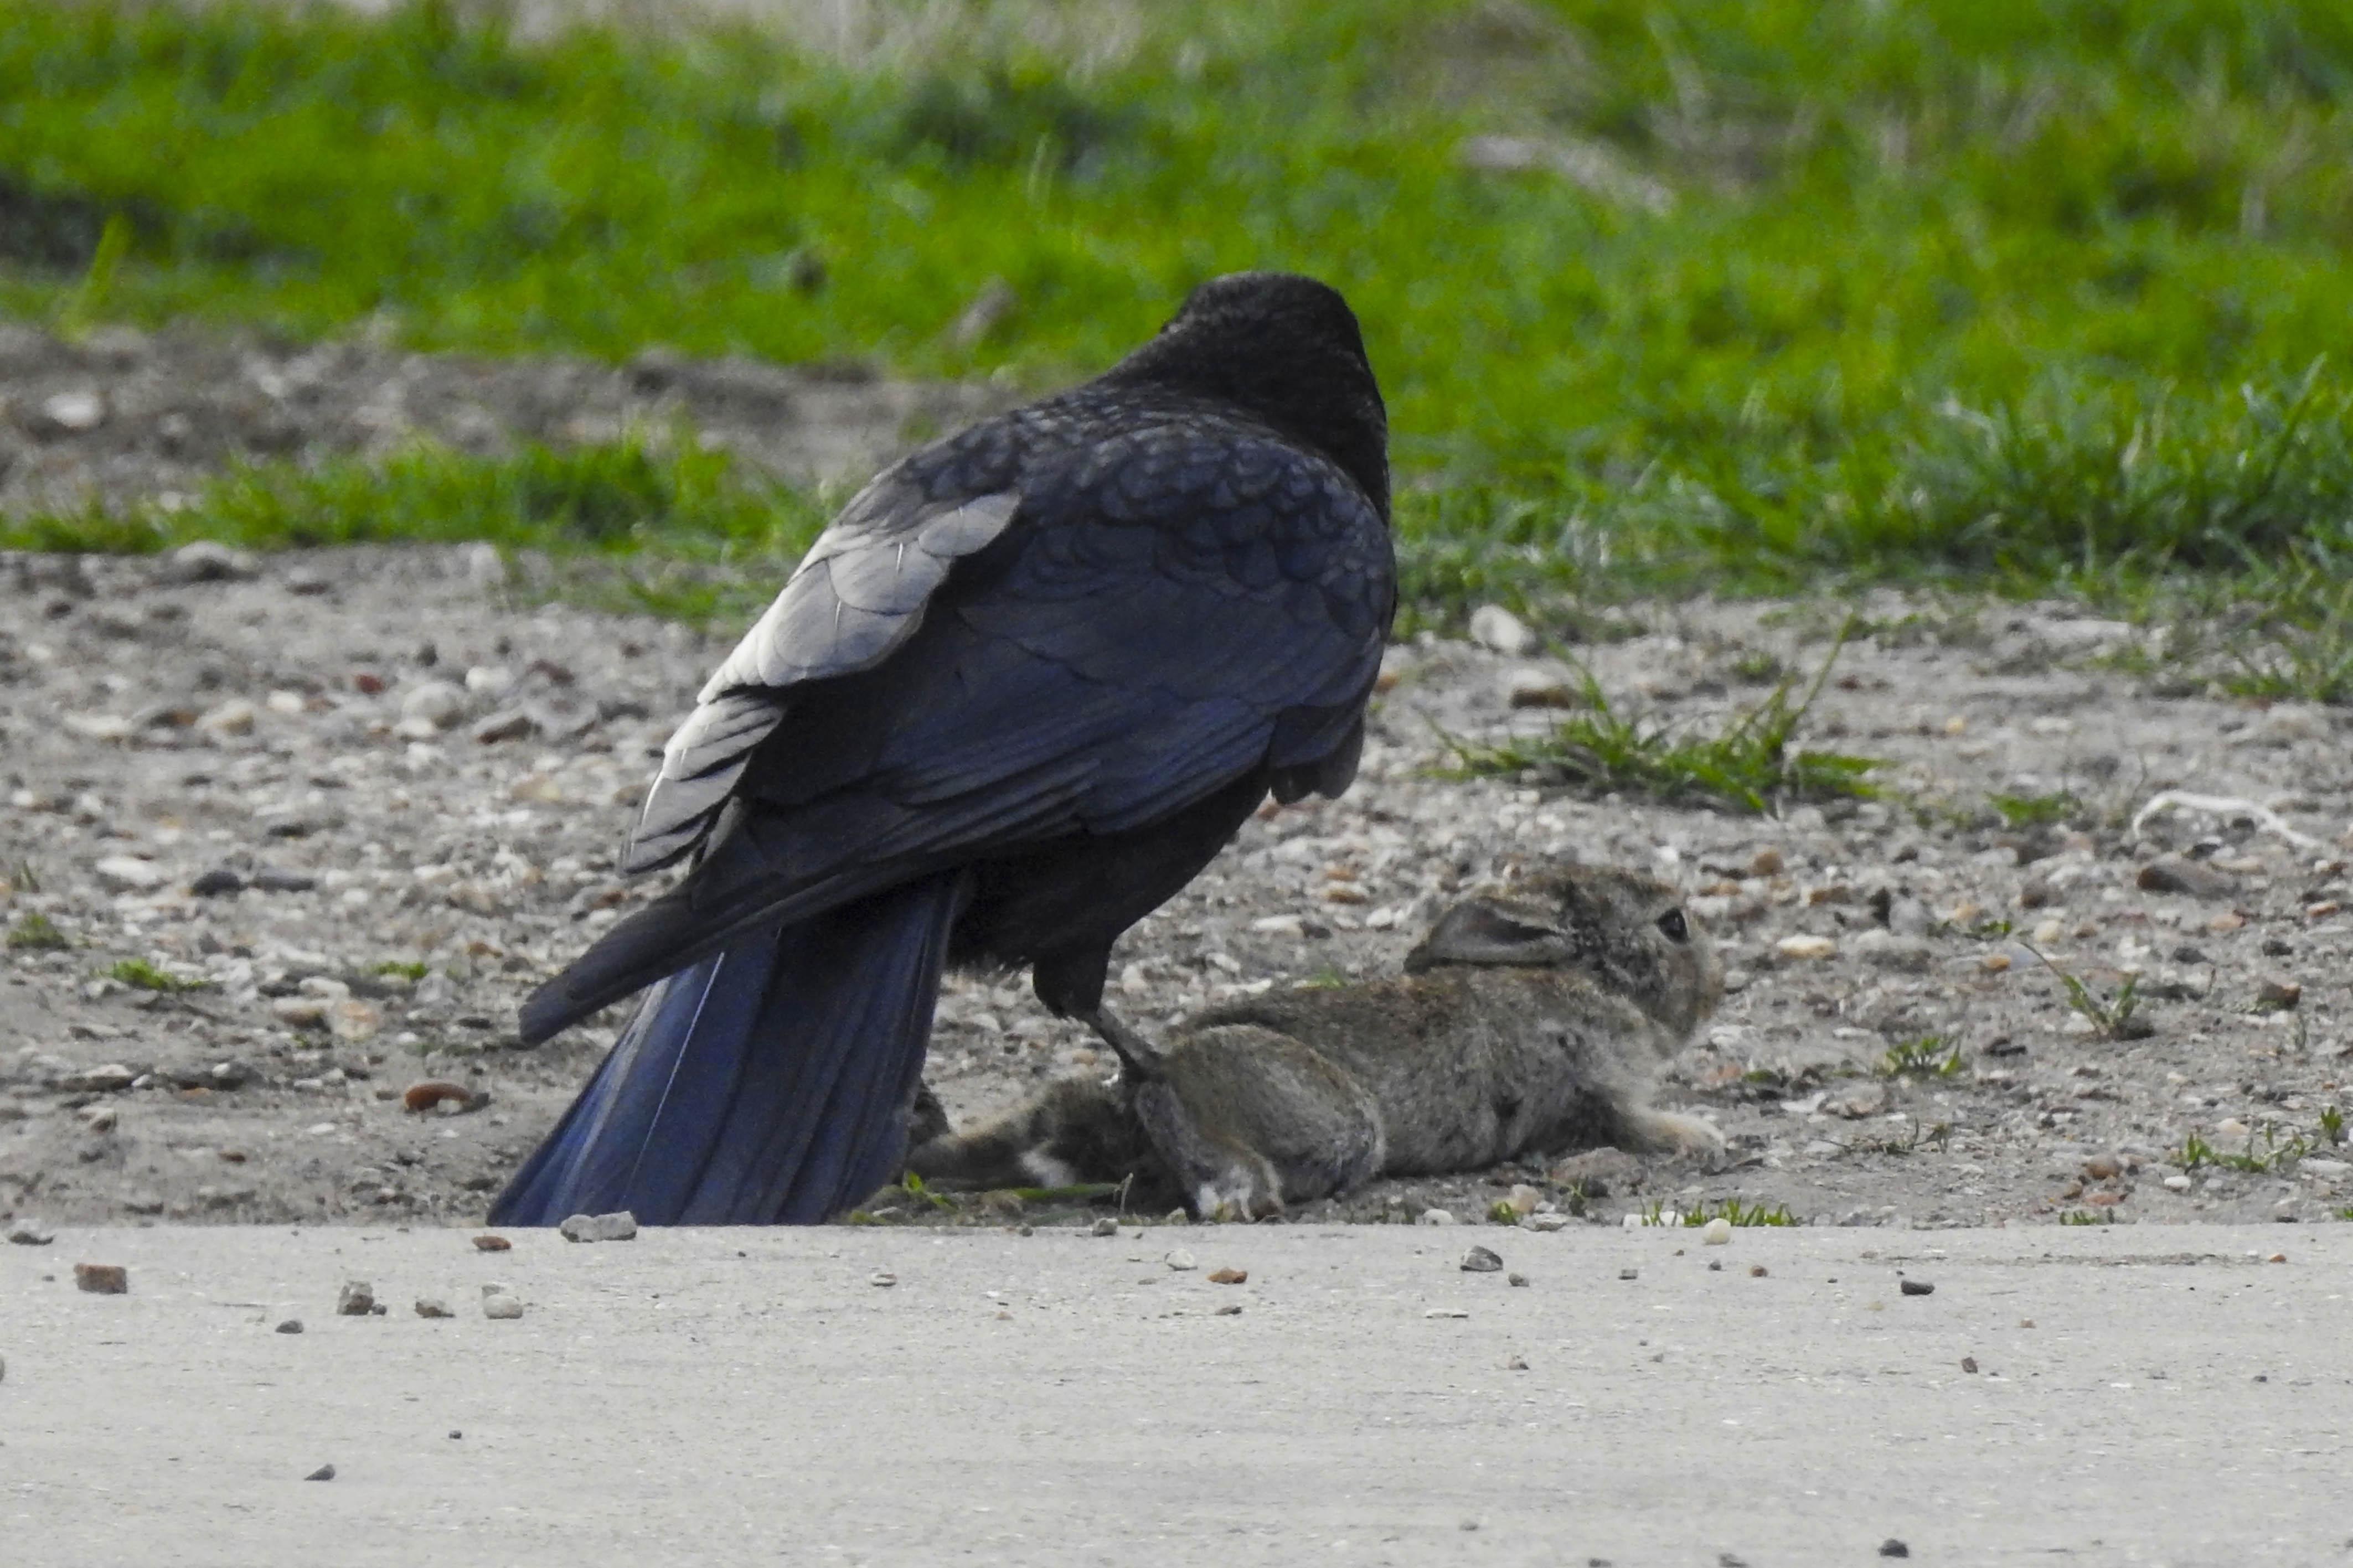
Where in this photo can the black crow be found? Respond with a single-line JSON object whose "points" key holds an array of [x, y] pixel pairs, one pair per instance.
{"points": [[1029, 683]]}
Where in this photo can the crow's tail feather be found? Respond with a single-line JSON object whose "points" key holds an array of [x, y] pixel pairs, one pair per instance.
{"points": [[767, 1084]]}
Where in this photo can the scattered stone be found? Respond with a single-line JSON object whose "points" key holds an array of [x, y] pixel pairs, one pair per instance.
{"points": [[129, 874], [1916, 1288], [1105, 1226], [1535, 687], [1865, 1098], [69, 414], [433, 1307], [1228, 1276], [501, 1307], [109, 1078], [1434, 1216], [30, 1233], [1447, 1313], [289, 1325], [1766, 862], [1629, 1274], [323, 1473], [1230, 1310], [2277, 996], [881, 1280], [1716, 1232], [2173, 874], [216, 883], [1494, 626], [1968, 1364], [1757, 1271], [99, 1118], [509, 724], [1481, 1260], [1546, 1224], [433, 1093], [1805, 947], [101, 1279], [618, 1227], [300, 1012], [208, 562], [276, 879], [234, 717], [355, 1300], [1891, 1547], [1519, 1279], [488, 1243], [439, 703], [1179, 1259]]}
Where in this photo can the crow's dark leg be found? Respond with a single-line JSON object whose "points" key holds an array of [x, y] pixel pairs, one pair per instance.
{"points": [[1140, 1060]]}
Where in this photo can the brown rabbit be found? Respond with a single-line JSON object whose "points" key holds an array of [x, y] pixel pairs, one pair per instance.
{"points": [[1532, 1018]]}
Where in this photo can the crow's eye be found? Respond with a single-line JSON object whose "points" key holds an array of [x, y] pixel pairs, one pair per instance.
{"points": [[1672, 923]]}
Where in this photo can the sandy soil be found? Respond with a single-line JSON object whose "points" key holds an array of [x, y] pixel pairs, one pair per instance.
{"points": [[364, 800]]}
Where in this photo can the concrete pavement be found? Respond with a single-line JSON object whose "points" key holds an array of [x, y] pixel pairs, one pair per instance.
{"points": [[2144, 1395]]}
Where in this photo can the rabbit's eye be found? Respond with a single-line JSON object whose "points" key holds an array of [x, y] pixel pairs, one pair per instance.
{"points": [[1672, 923]]}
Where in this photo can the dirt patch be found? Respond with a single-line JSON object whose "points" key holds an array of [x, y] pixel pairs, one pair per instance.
{"points": [[361, 801], [123, 416]]}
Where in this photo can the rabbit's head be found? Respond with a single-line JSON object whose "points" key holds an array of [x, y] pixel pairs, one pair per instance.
{"points": [[1629, 933]]}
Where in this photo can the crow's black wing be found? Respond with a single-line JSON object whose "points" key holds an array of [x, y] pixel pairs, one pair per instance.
{"points": [[1164, 613], [858, 594]]}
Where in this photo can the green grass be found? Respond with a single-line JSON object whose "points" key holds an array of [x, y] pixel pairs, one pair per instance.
{"points": [[140, 975], [2276, 1152], [1750, 764], [34, 932], [2037, 810], [1931, 1056], [2022, 290], [2112, 1017], [1731, 1210]]}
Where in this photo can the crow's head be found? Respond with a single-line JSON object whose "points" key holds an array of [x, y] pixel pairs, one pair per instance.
{"points": [[1287, 349]]}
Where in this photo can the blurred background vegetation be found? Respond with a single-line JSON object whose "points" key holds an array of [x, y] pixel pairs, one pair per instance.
{"points": [[1742, 293]]}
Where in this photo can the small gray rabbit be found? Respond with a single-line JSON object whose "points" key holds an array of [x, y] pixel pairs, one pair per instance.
{"points": [[1531, 1019]]}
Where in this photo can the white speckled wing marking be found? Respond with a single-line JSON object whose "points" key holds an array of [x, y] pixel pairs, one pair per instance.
{"points": [[856, 595]]}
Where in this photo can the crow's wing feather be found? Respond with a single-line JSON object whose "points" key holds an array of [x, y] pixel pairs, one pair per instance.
{"points": [[857, 596]]}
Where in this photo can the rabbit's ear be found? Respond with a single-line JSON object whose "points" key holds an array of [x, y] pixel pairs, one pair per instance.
{"points": [[1484, 930]]}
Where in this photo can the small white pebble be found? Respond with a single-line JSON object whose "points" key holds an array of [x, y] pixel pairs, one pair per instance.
{"points": [[1181, 1260], [1717, 1232], [502, 1307]]}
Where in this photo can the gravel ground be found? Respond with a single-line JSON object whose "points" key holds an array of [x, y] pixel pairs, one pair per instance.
{"points": [[123, 414], [361, 801]]}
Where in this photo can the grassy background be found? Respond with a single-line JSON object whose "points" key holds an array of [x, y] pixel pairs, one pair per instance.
{"points": [[2013, 290]]}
